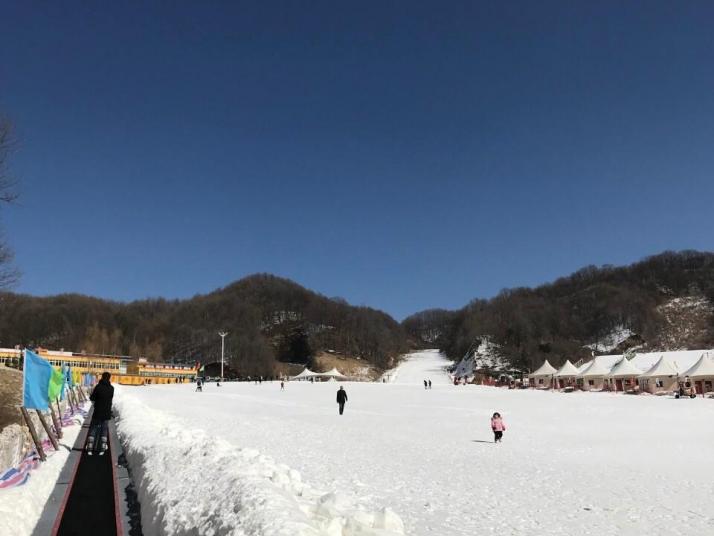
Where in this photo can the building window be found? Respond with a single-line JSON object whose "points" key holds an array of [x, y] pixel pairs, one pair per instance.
{"points": [[591, 382]]}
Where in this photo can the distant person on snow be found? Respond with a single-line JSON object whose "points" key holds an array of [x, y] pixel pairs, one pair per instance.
{"points": [[102, 396], [218, 382], [341, 399], [282, 386], [199, 385], [498, 427], [429, 384], [425, 384]]}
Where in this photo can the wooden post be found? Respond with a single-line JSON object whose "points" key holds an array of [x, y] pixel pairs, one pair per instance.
{"points": [[69, 399], [52, 437], [33, 433], [57, 422]]}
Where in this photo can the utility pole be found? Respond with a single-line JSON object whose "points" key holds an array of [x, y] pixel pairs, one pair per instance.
{"points": [[223, 348]]}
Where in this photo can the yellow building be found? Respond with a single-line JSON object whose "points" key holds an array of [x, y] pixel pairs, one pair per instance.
{"points": [[142, 372], [124, 370]]}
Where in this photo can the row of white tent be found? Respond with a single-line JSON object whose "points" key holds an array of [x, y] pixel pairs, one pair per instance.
{"points": [[308, 374], [652, 372]]}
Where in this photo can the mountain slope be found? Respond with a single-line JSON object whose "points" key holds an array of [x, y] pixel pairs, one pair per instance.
{"points": [[663, 302], [268, 318]]}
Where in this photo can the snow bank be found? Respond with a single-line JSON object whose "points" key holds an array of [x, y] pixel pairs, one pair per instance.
{"points": [[191, 483], [12, 441], [21, 507]]}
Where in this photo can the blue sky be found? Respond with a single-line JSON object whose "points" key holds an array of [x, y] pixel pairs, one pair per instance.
{"points": [[400, 155]]}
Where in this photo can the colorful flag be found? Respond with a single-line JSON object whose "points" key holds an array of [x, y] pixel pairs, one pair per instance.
{"points": [[64, 380], [36, 380], [54, 389]]}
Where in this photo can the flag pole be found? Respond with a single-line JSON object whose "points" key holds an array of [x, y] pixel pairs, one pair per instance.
{"points": [[55, 421], [33, 433], [48, 430]]}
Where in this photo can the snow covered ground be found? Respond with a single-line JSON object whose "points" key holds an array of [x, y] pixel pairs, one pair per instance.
{"points": [[21, 507], [577, 463]]}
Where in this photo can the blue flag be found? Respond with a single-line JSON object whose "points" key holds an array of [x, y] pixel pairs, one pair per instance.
{"points": [[36, 380]]}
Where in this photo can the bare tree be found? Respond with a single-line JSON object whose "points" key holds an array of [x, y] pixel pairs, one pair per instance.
{"points": [[9, 275]]}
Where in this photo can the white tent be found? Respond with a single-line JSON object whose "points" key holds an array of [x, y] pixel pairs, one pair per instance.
{"points": [[566, 375], [546, 369], [543, 377], [702, 375], [568, 370], [334, 373], [593, 376], [704, 368], [664, 367], [624, 369], [662, 377], [623, 376], [594, 370], [306, 374]]}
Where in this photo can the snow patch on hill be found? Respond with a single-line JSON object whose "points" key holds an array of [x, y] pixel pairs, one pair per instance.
{"points": [[191, 483], [486, 355], [612, 340]]}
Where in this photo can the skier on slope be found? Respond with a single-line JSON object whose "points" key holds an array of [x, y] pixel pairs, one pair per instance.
{"points": [[498, 427], [282, 386], [429, 384], [102, 396], [425, 384], [341, 399]]}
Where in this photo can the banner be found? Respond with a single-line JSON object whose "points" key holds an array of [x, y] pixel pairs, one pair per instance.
{"points": [[36, 380]]}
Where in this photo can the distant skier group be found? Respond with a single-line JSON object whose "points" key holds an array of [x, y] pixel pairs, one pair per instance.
{"points": [[427, 384]]}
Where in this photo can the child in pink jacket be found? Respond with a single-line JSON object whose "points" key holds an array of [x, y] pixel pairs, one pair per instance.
{"points": [[498, 427]]}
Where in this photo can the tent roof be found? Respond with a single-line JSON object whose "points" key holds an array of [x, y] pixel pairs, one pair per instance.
{"points": [[703, 367], [306, 373], [594, 370], [663, 367], [624, 369], [567, 370], [333, 373], [584, 366], [546, 369]]}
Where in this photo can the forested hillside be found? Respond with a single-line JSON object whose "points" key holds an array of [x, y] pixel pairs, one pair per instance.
{"points": [[662, 302], [268, 318]]}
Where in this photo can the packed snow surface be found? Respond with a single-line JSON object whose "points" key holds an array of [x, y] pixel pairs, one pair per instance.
{"points": [[576, 463]]}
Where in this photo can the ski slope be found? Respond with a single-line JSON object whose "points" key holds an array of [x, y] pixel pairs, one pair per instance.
{"points": [[579, 463]]}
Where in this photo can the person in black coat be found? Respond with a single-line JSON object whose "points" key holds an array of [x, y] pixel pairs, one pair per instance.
{"points": [[341, 399], [101, 396]]}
